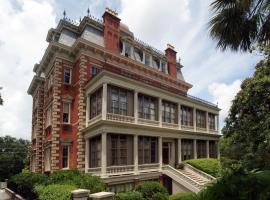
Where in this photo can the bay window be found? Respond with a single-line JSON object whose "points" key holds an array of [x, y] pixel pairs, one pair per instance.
{"points": [[95, 103], [95, 152]]}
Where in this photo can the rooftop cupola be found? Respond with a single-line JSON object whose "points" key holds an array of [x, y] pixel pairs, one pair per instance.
{"points": [[111, 30], [171, 57]]}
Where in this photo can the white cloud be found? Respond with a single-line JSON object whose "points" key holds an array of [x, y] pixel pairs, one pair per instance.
{"points": [[24, 25], [224, 94]]}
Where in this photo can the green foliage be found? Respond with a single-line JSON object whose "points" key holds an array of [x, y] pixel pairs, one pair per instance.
{"points": [[237, 183], [240, 24], [208, 165], [152, 190], [246, 135], [90, 182], [183, 196], [13, 156], [128, 196], [65, 176], [54, 191]]}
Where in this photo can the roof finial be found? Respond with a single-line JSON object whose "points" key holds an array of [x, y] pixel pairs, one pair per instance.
{"points": [[88, 12], [64, 14]]}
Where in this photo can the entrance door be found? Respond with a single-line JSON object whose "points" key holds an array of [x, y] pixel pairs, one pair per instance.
{"points": [[166, 153]]}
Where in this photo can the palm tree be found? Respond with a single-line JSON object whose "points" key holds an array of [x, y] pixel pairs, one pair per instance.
{"points": [[240, 24]]}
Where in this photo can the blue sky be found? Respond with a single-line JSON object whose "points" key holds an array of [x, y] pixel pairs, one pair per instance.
{"points": [[216, 76]]}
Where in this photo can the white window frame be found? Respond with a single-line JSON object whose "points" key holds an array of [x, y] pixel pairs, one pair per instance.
{"points": [[68, 103], [70, 75], [68, 146]]}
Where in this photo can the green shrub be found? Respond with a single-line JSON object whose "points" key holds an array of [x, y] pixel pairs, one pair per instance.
{"points": [[208, 165], [150, 189], [90, 182], [183, 196], [64, 177], [54, 191], [24, 183], [128, 196]]}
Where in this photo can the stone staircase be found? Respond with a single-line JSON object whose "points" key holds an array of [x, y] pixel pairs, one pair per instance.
{"points": [[189, 177]]}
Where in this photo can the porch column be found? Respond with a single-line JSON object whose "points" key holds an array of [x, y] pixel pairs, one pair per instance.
{"points": [[103, 154], [86, 154], [179, 142], [195, 148], [136, 106], [160, 152], [160, 111], [207, 123], [136, 162], [87, 109], [207, 149], [104, 101], [194, 119], [179, 115]]}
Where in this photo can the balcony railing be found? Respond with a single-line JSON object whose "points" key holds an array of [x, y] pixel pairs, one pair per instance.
{"points": [[201, 129], [189, 128], [120, 118], [149, 167], [170, 125], [118, 170], [96, 170], [93, 120], [148, 122]]}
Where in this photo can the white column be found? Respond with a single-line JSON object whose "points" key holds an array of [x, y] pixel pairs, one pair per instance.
{"points": [[160, 111], [136, 106], [160, 152], [194, 118], [207, 123], [87, 109], [195, 148], [135, 153], [103, 154], [104, 101], [207, 148], [179, 150], [86, 154], [179, 115]]}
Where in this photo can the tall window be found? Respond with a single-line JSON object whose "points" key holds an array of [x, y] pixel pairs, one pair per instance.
{"points": [[65, 156], [211, 121], [212, 149], [47, 159], [95, 152], [121, 149], [120, 101], [94, 71], [67, 76], [127, 50], [96, 103], [186, 116], [200, 119], [187, 149], [49, 117], [147, 107], [164, 67], [156, 62], [138, 54], [169, 112], [148, 59], [201, 149], [66, 112], [148, 150]]}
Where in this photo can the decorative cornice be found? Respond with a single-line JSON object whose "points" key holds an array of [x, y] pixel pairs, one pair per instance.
{"points": [[34, 83]]}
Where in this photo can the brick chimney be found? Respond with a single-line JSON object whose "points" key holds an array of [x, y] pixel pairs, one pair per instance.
{"points": [[171, 57], [111, 30]]}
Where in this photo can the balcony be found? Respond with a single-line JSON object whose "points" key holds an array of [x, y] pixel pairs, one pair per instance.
{"points": [[120, 118]]}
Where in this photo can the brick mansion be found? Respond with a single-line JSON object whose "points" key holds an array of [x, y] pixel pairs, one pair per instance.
{"points": [[109, 104]]}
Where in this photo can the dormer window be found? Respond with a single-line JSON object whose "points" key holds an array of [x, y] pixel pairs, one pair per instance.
{"points": [[138, 55], [164, 67], [127, 51], [155, 62], [148, 59], [67, 76]]}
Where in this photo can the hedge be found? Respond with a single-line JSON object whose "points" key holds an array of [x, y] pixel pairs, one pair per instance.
{"points": [[152, 190], [208, 165], [128, 196], [54, 191], [183, 196]]}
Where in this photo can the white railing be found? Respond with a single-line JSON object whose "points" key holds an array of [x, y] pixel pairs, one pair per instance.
{"points": [[149, 167], [148, 122], [184, 127], [118, 170], [120, 118], [200, 129], [183, 177], [170, 125], [93, 120], [95, 171]]}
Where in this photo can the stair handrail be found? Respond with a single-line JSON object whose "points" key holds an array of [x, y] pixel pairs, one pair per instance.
{"points": [[205, 175], [183, 176]]}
